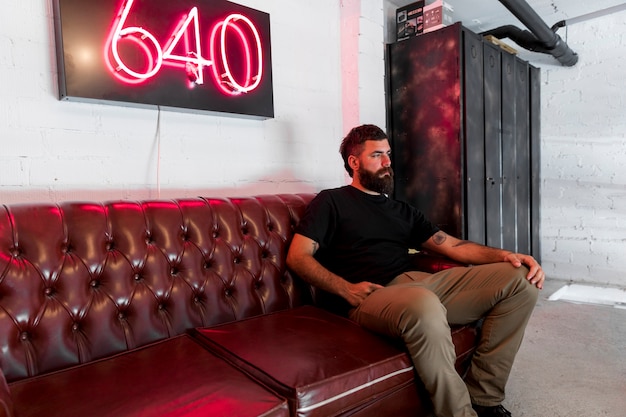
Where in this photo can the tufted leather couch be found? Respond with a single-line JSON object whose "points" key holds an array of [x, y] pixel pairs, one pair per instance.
{"points": [[183, 308]]}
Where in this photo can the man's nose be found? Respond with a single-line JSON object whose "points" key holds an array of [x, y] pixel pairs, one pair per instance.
{"points": [[386, 161]]}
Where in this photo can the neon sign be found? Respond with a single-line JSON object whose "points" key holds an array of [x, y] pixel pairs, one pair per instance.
{"points": [[209, 55]]}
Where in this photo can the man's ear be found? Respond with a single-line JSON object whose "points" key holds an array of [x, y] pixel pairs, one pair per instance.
{"points": [[353, 161]]}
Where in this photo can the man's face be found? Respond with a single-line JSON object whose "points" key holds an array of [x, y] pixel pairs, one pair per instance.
{"points": [[374, 171]]}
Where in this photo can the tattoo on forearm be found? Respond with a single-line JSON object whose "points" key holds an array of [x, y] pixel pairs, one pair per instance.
{"points": [[439, 238]]}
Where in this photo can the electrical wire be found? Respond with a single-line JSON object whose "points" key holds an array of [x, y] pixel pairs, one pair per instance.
{"points": [[158, 161]]}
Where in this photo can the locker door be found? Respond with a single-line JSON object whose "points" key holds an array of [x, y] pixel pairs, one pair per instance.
{"points": [[425, 90], [522, 131], [493, 144], [474, 163], [535, 161], [509, 149]]}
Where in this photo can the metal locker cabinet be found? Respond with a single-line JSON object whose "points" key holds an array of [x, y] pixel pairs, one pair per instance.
{"points": [[461, 115]]}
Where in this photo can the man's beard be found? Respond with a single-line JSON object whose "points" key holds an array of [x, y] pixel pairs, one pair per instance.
{"points": [[376, 181]]}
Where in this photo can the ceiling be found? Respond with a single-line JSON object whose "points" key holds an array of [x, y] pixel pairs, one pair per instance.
{"points": [[482, 15]]}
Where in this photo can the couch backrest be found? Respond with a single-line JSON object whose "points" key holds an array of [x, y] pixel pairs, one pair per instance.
{"points": [[81, 281]]}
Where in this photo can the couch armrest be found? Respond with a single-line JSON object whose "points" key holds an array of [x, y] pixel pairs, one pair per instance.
{"points": [[6, 402], [429, 262]]}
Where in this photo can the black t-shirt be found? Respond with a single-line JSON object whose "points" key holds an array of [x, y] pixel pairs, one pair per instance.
{"points": [[364, 237]]}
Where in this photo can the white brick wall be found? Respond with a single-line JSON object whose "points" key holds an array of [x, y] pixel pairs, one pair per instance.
{"points": [[52, 150], [584, 156]]}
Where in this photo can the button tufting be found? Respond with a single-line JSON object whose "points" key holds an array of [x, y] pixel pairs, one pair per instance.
{"points": [[174, 271], [49, 291], [161, 307], [24, 336], [228, 292], [75, 327], [121, 316], [94, 283], [137, 277]]}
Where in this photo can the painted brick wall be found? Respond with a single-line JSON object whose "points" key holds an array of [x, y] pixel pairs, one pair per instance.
{"points": [[583, 198], [54, 151]]}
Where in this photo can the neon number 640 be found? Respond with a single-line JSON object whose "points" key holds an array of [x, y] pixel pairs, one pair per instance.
{"points": [[192, 61]]}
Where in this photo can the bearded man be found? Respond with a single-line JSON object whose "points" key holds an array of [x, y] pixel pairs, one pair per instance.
{"points": [[353, 243]]}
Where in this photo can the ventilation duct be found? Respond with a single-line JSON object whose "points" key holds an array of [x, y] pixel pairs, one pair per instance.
{"points": [[588, 16], [539, 38]]}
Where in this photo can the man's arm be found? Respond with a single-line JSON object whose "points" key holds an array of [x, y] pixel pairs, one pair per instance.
{"points": [[301, 261], [474, 253]]}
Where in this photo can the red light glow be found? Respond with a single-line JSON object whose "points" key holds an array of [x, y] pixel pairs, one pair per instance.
{"points": [[192, 61], [226, 79]]}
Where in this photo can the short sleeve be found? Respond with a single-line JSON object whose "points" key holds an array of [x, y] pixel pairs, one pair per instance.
{"points": [[423, 229], [319, 220]]}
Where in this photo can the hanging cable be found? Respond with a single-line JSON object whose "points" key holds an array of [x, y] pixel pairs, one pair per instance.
{"points": [[158, 162]]}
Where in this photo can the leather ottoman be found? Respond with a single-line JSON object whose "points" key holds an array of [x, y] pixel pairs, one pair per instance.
{"points": [[173, 377], [323, 364]]}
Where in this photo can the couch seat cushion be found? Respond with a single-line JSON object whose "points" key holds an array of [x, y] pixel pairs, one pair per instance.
{"points": [[323, 364], [173, 377]]}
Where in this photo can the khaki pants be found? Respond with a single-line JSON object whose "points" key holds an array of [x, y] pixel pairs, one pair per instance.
{"points": [[418, 308]]}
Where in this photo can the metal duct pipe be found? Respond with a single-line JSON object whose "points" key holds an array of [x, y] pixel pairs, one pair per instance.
{"points": [[549, 41], [592, 15]]}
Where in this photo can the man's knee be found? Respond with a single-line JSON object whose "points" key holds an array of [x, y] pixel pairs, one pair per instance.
{"points": [[522, 287], [511, 283]]}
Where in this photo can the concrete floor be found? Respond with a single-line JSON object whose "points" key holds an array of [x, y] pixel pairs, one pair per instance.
{"points": [[572, 362]]}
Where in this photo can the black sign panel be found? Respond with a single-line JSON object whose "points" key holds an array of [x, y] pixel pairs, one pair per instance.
{"points": [[209, 55]]}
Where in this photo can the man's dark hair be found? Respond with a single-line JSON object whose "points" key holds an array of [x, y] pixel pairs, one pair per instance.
{"points": [[354, 141]]}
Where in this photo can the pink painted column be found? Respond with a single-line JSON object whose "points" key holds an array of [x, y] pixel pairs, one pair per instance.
{"points": [[350, 17]]}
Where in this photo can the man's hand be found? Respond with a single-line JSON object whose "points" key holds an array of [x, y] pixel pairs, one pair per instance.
{"points": [[536, 276], [356, 293], [300, 259], [477, 254]]}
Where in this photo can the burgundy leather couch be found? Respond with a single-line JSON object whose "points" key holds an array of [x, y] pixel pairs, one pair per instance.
{"points": [[183, 308]]}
